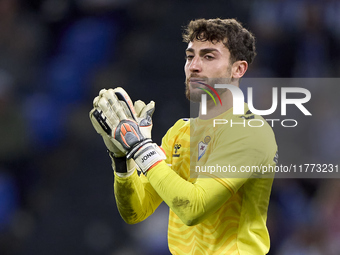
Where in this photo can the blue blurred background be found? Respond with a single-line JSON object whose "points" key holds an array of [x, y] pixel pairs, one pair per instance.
{"points": [[56, 194]]}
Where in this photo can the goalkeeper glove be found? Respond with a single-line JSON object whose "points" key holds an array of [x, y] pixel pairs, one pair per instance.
{"points": [[120, 164], [130, 134]]}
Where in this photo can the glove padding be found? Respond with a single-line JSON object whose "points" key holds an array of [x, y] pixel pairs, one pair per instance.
{"points": [[120, 164], [124, 132]]}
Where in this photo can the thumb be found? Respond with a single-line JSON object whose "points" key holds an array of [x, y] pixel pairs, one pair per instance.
{"points": [[148, 110], [146, 114]]}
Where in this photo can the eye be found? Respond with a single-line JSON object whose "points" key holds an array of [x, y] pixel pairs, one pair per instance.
{"points": [[209, 57], [189, 57]]}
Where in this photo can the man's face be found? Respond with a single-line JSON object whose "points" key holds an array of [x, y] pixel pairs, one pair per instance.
{"points": [[207, 63]]}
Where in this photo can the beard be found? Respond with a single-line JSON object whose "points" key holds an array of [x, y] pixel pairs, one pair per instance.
{"points": [[194, 94]]}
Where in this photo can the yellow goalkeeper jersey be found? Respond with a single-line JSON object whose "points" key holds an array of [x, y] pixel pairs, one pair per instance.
{"points": [[221, 208], [218, 147]]}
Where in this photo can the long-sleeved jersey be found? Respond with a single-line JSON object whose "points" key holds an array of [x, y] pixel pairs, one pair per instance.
{"points": [[213, 182]]}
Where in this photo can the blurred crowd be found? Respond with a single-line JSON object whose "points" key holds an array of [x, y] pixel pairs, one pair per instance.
{"points": [[55, 176]]}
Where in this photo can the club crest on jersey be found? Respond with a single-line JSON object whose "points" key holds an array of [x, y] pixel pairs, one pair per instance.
{"points": [[276, 157], [202, 147], [176, 148]]}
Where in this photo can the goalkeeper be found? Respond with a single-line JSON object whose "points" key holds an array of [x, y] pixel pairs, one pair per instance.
{"points": [[223, 214]]}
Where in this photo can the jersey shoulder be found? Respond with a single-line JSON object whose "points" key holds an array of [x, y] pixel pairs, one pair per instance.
{"points": [[181, 126], [181, 129], [181, 123]]}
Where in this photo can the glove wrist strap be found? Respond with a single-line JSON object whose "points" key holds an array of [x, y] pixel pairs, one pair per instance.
{"points": [[148, 155], [122, 166], [137, 147]]}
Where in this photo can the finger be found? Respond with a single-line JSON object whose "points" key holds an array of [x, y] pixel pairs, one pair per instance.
{"points": [[146, 114], [95, 101], [123, 96], [114, 104], [139, 105], [110, 115], [111, 97], [148, 110], [126, 109], [102, 91], [99, 122], [120, 107]]}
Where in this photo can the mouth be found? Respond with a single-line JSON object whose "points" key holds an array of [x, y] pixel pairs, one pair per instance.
{"points": [[196, 82]]}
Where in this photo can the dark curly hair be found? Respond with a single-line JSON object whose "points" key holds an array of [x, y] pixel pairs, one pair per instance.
{"points": [[239, 41]]}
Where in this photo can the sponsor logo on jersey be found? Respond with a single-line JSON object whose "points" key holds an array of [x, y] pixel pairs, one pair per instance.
{"points": [[176, 148]]}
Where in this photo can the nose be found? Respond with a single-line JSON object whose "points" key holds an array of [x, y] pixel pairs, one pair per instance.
{"points": [[195, 65]]}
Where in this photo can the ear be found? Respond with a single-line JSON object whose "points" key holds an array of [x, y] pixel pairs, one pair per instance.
{"points": [[239, 68]]}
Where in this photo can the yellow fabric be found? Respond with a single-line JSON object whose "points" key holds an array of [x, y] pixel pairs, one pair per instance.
{"points": [[223, 214], [135, 198]]}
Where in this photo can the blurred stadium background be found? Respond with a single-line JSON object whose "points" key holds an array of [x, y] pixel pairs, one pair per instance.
{"points": [[56, 194]]}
